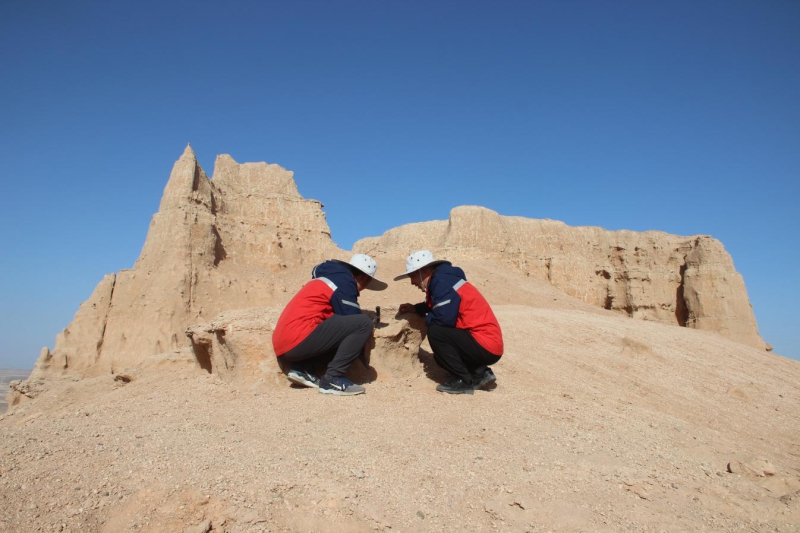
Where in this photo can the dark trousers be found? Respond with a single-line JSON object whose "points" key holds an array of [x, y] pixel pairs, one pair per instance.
{"points": [[457, 351], [344, 336]]}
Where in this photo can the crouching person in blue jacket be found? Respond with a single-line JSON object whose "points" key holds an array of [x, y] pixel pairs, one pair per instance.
{"points": [[462, 329], [324, 318]]}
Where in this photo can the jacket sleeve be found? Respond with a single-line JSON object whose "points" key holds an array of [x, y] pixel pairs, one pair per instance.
{"points": [[445, 302], [422, 308]]}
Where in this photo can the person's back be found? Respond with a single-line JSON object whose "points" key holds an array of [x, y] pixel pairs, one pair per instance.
{"points": [[462, 329], [332, 290], [472, 311], [323, 320]]}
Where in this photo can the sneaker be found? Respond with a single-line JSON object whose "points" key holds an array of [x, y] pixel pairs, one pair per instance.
{"points": [[456, 386], [303, 377], [340, 386], [486, 378]]}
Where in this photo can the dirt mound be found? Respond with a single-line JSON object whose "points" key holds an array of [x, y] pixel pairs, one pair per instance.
{"points": [[598, 423]]}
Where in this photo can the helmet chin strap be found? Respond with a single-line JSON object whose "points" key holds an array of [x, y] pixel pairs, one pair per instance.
{"points": [[422, 281]]}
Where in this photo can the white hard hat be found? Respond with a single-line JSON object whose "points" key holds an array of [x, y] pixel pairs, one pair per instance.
{"points": [[368, 266], [417, 260]]}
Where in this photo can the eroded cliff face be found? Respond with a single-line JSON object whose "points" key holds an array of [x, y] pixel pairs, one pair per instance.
{"points": [[214, 245], [230, 242], [687, 281]]}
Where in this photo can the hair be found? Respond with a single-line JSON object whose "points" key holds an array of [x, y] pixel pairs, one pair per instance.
{"points": [[356, 272]]}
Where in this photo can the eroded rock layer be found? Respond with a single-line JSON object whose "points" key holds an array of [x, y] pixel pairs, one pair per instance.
{"points": [[688, 281], [215, 244], [236, 345], [231, 243]]}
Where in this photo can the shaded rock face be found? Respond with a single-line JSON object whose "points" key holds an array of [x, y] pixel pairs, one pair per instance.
{"points": [[237, 346], [215, 244], [687, 281]]}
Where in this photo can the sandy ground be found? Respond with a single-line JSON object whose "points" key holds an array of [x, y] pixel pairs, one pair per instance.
{"points": [[599, 423]]}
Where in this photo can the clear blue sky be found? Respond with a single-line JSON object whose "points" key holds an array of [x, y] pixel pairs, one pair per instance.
{"points": [[679, 116]]}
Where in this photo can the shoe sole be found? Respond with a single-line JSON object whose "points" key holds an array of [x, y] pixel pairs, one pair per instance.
{"points": [[486, 381], [462, 391], [341, 392], [302, 381]]}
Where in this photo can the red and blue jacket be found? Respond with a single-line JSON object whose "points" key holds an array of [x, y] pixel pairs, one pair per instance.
{"points": [[332, 290], [453, 302]]}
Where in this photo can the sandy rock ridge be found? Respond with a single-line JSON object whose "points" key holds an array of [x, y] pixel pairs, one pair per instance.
{"points": [[687, 281], [214, 245], [246, 238]]}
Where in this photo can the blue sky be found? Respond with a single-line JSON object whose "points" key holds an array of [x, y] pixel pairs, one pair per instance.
{"points": [[677, 116]]}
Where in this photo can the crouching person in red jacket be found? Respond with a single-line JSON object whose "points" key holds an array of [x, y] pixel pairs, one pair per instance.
{"points": [[462, 329], [324, 319]]}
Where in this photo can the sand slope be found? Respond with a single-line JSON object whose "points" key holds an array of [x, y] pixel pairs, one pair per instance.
{"points": [[599, 423]]}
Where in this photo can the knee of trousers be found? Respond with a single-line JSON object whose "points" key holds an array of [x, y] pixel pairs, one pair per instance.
{"points": [[365, 323], [435, 332]]}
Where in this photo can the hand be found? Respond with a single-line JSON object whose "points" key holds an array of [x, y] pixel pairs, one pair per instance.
{"points": [[406, 308]]}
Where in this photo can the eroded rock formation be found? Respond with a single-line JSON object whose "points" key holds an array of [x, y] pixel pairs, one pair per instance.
{"points": [[215, 244], [688, 281], [233, 242]]}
